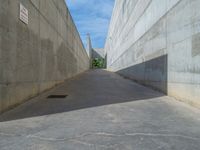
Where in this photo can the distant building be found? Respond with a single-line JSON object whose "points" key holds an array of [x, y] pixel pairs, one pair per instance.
{"points": [[95, 53]]}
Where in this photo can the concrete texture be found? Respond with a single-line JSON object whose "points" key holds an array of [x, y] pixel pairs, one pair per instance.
{"points": [[40, 55], [157, 44], [128, 116]]}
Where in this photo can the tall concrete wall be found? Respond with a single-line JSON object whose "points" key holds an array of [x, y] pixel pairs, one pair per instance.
{"points": [[37, 56], [157, 43]]}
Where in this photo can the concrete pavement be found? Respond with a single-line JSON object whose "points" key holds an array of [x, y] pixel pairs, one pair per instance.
{"points": [[102, 111]]}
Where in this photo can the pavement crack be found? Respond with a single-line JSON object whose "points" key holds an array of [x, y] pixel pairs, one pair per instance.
{"points": [[139, 134], [73, 138], [47, 139], [94, 145], [83, 143], [9, 134], [106, 134], [102, 134], [163, 135]]}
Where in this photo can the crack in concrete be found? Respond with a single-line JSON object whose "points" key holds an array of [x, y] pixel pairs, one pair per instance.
{"points": [[73, 138], [91, 145], [139, 134], [102, 134], [163, 135], [113, 135], [47, 139], [77, 140], [8, 134], [83, 143]]}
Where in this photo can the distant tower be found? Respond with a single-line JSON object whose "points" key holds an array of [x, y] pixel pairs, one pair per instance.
{"points": [[89, 45], [89, 48]]}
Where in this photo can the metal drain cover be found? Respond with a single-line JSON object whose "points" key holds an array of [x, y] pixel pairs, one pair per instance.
{"points": [[57, 96]]}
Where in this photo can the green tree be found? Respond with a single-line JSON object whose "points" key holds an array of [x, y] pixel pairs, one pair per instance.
{"points": [[98, 63]]}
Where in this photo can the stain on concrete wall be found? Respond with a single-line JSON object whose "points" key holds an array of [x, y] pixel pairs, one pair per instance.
{"points": [[196, 45], [144, 32], [37, 56]]}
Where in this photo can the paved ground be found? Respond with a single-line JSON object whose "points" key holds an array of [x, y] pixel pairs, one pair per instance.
{"points": [[103, 111]]}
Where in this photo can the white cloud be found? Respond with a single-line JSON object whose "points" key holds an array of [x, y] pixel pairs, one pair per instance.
{"points": [[92, 16]]}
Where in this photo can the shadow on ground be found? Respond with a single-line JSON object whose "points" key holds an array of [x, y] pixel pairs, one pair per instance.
{"points": [[91, 89]]}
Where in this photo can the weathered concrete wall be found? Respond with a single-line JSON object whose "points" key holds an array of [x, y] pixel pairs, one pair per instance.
{"points": [[157, 44], [37, 56]]}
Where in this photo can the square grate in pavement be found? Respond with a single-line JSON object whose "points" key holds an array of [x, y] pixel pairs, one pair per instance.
{"points": [[57, 96]]}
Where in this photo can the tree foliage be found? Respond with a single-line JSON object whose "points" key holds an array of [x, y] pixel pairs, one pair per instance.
{"points": [[98, 63]]}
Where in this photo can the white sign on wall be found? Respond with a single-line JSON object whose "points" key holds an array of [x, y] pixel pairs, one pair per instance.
{"points": [[23, 14]]}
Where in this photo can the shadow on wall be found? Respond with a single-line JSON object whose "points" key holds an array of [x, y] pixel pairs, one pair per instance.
{"points": [[151, 73]]}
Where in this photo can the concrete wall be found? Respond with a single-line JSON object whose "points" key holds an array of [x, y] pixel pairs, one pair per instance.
{"points": [[98, 53], [37, 56], [157, 43]]}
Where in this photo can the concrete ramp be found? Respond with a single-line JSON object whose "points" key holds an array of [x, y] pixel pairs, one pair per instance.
{"points": [[101, 111]]}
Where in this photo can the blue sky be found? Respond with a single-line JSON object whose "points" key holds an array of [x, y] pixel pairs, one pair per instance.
{"points": [[92, 16]]}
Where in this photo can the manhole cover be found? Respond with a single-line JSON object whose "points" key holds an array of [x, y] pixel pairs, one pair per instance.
{"points": [[57, 96]]}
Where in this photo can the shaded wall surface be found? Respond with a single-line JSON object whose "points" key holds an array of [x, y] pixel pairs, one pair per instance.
{"points": [[157, 44], [37, 56]]}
